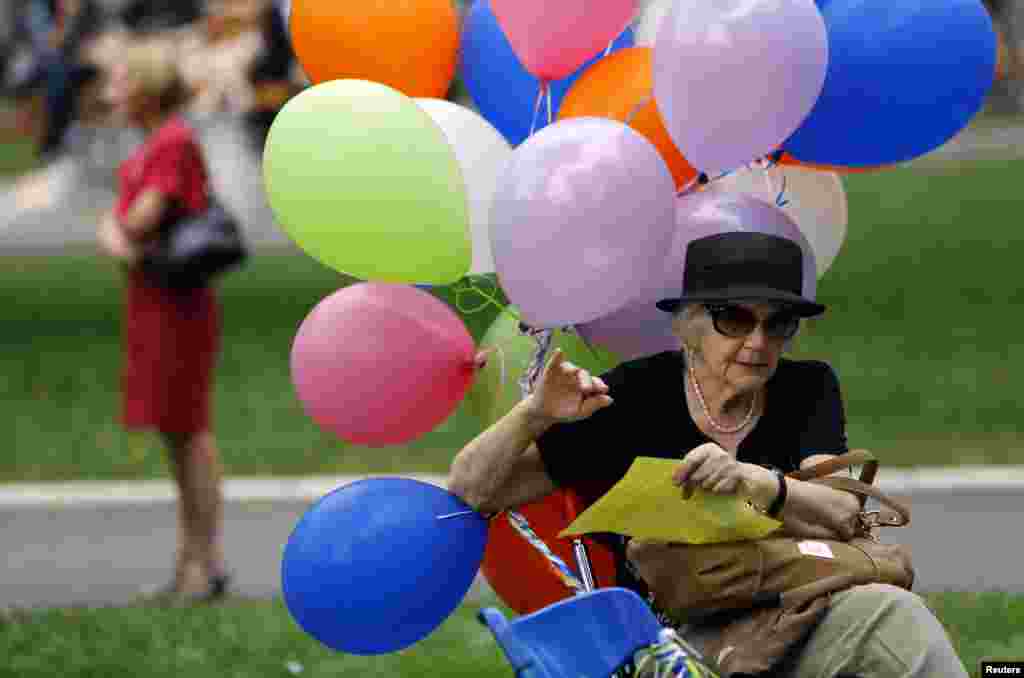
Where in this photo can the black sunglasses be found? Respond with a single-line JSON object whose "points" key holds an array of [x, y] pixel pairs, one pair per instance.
{"points": [[738, 322]]}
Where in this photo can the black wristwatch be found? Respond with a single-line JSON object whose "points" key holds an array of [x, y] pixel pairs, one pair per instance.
{"points": [[780, 499]]}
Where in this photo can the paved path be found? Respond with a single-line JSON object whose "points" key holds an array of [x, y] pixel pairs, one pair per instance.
{"points": [[89, 543]]}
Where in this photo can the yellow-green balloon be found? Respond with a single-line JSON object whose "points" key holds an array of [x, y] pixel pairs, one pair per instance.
{"points": [[489, 399], [365, 182]]}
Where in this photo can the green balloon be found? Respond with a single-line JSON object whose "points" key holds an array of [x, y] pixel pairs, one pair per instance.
{"points": [[490, 399], [365, 182]]}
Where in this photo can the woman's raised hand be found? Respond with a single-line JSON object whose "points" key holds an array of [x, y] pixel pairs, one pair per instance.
{"points": [[566, 392]]}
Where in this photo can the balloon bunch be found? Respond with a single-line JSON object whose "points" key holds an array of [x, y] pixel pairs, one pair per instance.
{"points": [[604, 139], [375, 176]]}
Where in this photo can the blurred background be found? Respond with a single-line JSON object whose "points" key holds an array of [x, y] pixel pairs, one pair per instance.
{"points": [[923, 332]]}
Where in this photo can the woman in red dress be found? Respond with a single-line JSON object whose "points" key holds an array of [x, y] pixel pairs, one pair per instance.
{"points": [[171, 337]]}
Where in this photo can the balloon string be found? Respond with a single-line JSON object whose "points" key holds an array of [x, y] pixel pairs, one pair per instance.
{"points": [[637, 108], [590, 347], [536, 108], [781, 200], [468, 286], [500, 349], [699, 180], [611, 44], [550, 113], [536, 366]]}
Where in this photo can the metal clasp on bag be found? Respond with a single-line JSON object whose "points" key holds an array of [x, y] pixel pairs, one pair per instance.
{"points": [[867, 522]]}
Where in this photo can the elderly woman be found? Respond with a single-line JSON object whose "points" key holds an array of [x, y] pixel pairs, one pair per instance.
{"points": [[172, 337], [738, 416]]}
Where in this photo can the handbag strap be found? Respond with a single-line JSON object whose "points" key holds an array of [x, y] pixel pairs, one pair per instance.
{"points": [[897, 516], [899, 513], [851, 458]]}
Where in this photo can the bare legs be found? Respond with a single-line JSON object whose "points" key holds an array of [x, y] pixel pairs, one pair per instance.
{"points": [[196, 466]]}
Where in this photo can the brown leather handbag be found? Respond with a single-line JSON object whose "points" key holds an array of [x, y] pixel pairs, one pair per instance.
{"points": [[769, 593]]}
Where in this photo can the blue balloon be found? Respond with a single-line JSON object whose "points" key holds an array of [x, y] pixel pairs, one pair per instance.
{"points": [[372, 567], [503, 91], [903, 78]]}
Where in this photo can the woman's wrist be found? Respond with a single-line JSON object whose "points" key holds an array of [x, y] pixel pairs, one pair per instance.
{"points": [[763, 486], [535, 420]]}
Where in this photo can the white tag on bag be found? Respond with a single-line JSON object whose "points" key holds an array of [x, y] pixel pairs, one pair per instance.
{"points": [[815, 548]]}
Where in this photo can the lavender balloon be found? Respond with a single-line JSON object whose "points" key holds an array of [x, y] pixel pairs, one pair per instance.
{"points": [[640, 328], [580, 212], [715, 211], [734, 78], [635, 330]]}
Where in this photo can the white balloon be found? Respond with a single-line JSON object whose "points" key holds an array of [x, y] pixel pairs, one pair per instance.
{"points": [[650, 18], [815, 200], [482, 152]]}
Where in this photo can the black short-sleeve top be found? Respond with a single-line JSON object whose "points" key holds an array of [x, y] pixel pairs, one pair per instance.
{"points": [[803, 416]]}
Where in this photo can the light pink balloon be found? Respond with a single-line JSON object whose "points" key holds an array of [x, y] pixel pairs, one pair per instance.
{"points": [[380, 364], [640, 328], [552, 38], [581, 210], [733, 79]]}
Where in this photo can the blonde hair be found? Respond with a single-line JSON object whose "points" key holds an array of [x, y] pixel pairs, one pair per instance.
{"points": [[153, 65]]}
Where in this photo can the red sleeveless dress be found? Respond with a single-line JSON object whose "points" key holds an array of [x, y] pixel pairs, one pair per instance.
{"points": [[171, 338]]}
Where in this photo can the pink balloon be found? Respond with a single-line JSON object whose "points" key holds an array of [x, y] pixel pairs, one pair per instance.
{"points": [[552, 38], [581, 210], [733, 79], [640, 328], [380, 364]]}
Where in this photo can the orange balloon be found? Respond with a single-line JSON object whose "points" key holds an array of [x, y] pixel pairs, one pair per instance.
{"points": [[787, 159], [615, 87], [520, 575], [411, 45]]}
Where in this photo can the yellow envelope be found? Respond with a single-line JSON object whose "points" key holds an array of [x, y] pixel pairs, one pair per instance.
{"points": [[646, 505]]}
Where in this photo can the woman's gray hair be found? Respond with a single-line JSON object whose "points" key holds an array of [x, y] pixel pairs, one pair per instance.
{"points": [[692, 322]]}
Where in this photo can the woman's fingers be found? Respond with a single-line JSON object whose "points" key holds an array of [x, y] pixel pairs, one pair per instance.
{"points": [[557, 357], [725, 486], [592, 405], [585, 382], [722, 472]]}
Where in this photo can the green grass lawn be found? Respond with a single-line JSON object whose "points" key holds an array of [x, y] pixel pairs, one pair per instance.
{"points": [[924, 330], [257, 639], [16, 157]]}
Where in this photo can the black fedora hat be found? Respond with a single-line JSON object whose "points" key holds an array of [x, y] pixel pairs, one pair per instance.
{"points": [[744, 266]]}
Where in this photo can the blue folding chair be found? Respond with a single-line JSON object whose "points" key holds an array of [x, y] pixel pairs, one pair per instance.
{"points": [[588, 636], [594, 634]]}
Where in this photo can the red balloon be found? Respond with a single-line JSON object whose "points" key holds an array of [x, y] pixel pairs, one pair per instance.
{"points": [[380, 364], [520, 575]]}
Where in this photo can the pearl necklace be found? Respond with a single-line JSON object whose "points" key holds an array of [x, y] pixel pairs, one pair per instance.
{"points": [[707, 412]]}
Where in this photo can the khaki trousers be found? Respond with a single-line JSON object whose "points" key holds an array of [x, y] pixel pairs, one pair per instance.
{"points": [[871, 631]]}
